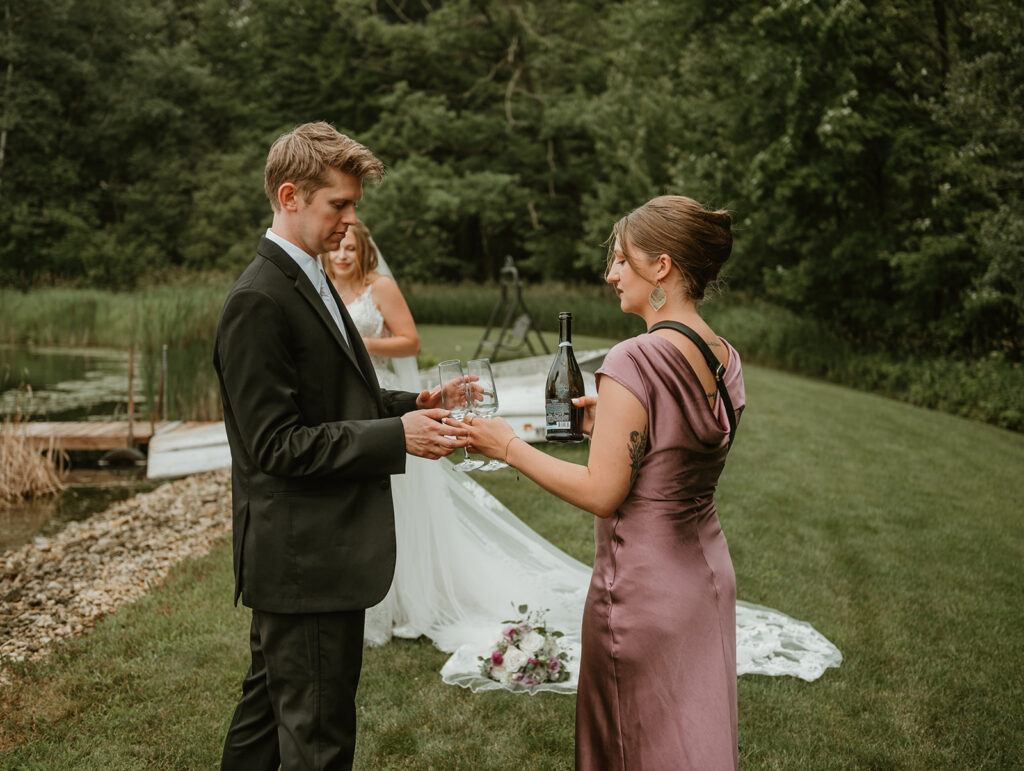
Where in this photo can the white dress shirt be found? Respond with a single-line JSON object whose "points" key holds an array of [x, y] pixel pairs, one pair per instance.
{"points": [[317, 277]]}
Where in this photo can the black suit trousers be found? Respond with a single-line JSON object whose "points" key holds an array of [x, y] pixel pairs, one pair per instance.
{"points": [[298, 697]]}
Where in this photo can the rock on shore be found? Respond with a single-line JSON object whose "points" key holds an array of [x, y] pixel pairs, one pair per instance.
{"points": [[58, 587]]}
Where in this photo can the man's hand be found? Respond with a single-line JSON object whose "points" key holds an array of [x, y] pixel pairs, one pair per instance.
{"points": [[427, 437], [428, 400], [434, 398]]}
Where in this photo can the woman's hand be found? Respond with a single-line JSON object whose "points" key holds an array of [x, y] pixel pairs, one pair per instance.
{"points": [[589, 405], [487, 436]]}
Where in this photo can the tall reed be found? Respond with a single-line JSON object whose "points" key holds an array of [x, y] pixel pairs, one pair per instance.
{"points": [[25, 472], [185, 321], [184, 318]]}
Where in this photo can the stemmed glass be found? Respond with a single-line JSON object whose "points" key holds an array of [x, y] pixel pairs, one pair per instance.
{"points": [[485, 399], [455, 397]]}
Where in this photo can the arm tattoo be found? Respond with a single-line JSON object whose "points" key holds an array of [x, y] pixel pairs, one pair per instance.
{"points": [[637, 446]]}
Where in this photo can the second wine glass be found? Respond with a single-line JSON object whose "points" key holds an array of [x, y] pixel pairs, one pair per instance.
{"points": [[485, 398], [455, 397]]}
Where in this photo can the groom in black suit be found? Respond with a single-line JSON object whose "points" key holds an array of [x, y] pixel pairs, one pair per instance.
{"points": [[314, 440]]}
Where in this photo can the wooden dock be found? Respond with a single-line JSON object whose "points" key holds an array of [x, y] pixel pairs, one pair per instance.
{"points": [[71, 435]]}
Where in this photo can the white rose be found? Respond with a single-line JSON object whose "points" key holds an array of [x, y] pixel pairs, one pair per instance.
{"points": [[498, 673], [514, 659], [532, 642]]}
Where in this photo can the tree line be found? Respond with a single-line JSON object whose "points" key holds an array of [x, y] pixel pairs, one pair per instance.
{"points": [[871, 151]]}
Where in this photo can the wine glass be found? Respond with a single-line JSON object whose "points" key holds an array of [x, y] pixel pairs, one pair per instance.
{"points": [[485, 398], [455, 397]]}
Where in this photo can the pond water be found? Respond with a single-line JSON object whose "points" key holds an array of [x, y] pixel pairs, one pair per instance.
{"points": [[50, 383], [87, 492]]}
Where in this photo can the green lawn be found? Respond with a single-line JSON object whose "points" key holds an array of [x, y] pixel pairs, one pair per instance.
{"points": [[460, 342], [896, 531]]}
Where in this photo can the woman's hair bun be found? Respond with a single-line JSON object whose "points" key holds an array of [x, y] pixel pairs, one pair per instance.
{"points": [[719, 245], [721, 217], [698, 241]]}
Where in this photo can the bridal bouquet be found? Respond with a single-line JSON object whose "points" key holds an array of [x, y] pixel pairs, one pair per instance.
{"points": [[527, 653]]}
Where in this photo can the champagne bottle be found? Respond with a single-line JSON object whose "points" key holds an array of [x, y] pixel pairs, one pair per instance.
{"points": [[564, 422]]}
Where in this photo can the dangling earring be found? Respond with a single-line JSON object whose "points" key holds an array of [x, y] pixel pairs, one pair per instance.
{"points": [[657, 297]]}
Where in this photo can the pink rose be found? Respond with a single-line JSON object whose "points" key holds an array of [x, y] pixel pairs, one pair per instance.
{"points": [[554, 665], [497, 659]]}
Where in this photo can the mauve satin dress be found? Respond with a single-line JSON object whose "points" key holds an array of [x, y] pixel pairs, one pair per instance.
{"points": [[657, 686]]}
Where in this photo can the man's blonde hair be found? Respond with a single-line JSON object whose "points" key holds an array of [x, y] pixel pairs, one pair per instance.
{"points": [[303, 155]]}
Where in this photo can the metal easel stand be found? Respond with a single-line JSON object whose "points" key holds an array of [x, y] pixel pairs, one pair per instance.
{"points": [[517, 328]]}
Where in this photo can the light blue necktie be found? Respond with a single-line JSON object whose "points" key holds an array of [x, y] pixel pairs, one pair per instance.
{"points": [[332, 306]]}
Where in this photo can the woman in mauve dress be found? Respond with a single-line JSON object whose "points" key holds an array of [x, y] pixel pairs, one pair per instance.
{"points": [[657, 683]]}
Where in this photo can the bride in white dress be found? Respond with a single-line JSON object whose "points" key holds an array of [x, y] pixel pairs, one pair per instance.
{"points": [[465, 562]]}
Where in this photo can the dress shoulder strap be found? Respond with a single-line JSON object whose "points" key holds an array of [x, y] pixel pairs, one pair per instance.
{"points": [[716, 367]]}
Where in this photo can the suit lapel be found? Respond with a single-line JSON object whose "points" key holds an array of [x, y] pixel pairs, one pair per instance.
{"points": [[359, 358], [310, 295], [359, 353]]}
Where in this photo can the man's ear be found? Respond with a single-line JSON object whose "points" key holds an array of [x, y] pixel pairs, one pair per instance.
{"points": [[287, 196]]}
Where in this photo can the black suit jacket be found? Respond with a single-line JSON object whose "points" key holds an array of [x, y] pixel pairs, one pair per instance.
{"points": [[314, 440]]}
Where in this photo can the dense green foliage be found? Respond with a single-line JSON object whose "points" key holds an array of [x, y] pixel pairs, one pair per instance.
{"points": [[872, 154], [912, 568]]}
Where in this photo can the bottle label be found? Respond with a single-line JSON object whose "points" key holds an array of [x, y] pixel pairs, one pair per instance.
{"points": [[558, 416]]}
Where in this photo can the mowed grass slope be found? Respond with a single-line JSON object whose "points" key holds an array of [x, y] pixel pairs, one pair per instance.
{"points": [[897, 532]]}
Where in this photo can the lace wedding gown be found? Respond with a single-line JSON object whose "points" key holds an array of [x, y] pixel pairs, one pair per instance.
{"points": [[465, 563]]}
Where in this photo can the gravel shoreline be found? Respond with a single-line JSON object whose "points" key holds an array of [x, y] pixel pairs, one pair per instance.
{"points": [[57, 587]]}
